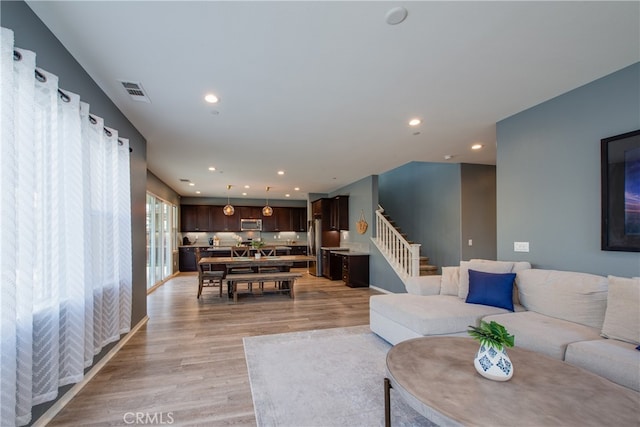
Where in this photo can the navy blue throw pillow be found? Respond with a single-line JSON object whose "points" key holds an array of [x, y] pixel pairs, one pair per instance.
{"points": [[638, 348], [494, 289]]}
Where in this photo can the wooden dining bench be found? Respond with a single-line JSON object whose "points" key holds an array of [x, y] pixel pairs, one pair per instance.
{"points": [[286, 277]]}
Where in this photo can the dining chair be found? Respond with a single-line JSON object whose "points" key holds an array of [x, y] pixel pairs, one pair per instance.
{"points": [[269, 251], [207, 276], [240, 251]]}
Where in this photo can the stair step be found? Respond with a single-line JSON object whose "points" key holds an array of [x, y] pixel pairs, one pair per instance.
{"points": [[428, 270], [425, 268]]}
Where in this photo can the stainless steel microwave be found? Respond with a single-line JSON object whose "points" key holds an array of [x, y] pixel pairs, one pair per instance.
{"points": [[251, 224]]}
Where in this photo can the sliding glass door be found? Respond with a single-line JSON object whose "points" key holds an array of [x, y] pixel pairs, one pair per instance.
{"points": [[162, 227]]}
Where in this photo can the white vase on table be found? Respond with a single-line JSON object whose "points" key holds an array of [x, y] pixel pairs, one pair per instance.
{"points": [[258, 255], [493, 363]]}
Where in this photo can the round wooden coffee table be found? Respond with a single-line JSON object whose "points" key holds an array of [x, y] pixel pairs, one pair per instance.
{"points": [[436, 377]]}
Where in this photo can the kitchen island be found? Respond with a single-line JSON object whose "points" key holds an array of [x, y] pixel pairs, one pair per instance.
{"points": [[187, 253]]}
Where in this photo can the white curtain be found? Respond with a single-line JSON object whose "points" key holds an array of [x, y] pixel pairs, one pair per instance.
{"points": [[65, 235]]}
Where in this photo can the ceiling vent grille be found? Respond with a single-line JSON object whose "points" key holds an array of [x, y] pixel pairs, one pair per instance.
{"points": [[135, 91]]}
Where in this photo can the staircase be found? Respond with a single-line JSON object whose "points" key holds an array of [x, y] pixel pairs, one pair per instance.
{"points": [[402, 254]]}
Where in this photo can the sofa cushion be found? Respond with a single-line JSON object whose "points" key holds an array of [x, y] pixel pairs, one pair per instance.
{"points": [[613, 359], [622, 317], [431, 315], [483, 266], [576, 297], [491, 289], [544, 334], [450, 280]]}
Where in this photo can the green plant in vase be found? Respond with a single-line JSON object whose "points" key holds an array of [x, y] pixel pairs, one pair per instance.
{"points": [[257, 244], [492, 334], [492, 361]]}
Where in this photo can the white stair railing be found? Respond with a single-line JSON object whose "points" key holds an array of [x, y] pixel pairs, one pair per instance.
{"points": [[403, 256]]}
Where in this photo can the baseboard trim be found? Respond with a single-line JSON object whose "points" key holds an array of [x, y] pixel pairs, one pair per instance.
{"points": [[66, 398], [162, 282], [384, 291]]}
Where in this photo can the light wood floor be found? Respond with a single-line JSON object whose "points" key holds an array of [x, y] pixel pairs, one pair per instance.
{"points": [[187, 365]]}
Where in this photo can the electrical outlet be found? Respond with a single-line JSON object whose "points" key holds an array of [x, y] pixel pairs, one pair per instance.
{"points": [[521, 246]]}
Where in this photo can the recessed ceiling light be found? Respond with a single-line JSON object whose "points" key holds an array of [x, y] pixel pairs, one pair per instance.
{"points": [[198, 192], [211, 98], [448, 156], [191, 184], [246, 186], [280, 172], [297, 188], [476, 146], [414, 122], [212, 168], [287, 195], [244, 194]]}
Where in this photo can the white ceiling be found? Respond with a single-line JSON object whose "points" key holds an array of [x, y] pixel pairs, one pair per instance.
{"points": [[324, 90]]}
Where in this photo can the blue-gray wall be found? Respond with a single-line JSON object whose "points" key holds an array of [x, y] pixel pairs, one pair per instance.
{"points": [[363, 198], [478, 211], [548, 176], [424, 201], [441, 206]]}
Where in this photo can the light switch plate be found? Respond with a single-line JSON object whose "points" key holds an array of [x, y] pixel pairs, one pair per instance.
{"points": [[521, 246]]}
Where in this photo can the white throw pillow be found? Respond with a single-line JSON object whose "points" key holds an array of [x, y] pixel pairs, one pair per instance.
{"points": [[483, 266], [573, 296], [450, 280], [622, 318]]}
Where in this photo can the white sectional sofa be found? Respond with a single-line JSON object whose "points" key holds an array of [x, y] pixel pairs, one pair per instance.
{"points": [[587, 320]]}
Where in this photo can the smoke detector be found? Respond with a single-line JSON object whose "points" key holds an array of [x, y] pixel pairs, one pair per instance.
{"points": [[135, 91], [396, 15]]}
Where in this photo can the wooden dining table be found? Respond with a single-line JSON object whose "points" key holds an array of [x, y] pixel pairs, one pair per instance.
{"points": [[284, 261], [225, 264]]}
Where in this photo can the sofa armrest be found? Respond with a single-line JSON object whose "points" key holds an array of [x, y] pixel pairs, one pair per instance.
{"points": [[424, 285]]}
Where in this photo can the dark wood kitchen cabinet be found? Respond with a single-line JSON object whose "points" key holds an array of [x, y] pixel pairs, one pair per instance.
{"points": [[326, 265], [334, 212], [222, 222], [212, 218], [249, 212], [195, 218], [299, 219], [339, 213], [286, 219], [187, 258], [355, 270], [299, 250], [279, 221]]}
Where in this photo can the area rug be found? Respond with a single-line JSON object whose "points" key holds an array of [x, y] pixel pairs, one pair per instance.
{"points": [[329, 377]]}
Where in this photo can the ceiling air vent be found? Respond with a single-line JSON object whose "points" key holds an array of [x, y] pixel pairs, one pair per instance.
{"points": [[185, 180], [135, 91]]}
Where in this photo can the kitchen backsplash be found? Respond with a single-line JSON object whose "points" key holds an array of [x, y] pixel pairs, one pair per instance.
{"points": [[232, 238]]}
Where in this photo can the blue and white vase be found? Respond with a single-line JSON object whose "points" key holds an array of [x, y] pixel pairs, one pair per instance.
{"points": [[492, 363]]}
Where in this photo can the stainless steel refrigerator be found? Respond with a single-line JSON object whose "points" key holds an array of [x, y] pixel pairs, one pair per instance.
{"points": [[314, 240]]}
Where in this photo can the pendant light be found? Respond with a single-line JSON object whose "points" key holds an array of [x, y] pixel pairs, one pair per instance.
{"points": [[267, 210], [228, 210]]}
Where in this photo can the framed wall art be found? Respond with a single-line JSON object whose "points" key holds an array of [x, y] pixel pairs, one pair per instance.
{"points": [[620, 169]]}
